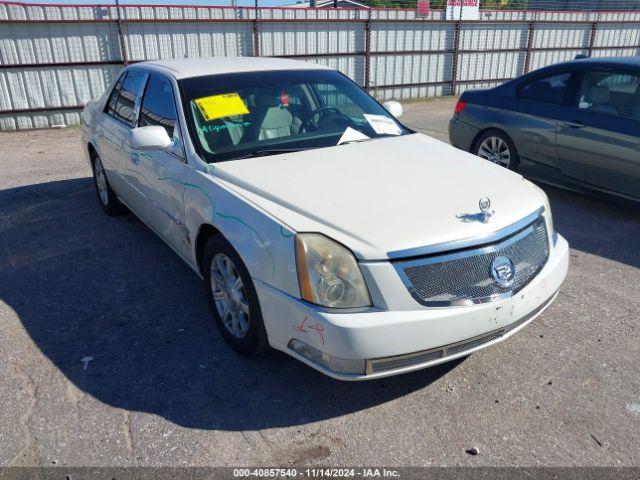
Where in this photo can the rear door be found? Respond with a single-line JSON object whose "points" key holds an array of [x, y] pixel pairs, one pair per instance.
{"points": [[107, 139], [599, 140], [159, 175], [541, 103], [115, 127]]}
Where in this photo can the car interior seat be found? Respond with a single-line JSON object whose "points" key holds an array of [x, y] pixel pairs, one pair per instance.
{"points": [[598, 96], [271, 118]]}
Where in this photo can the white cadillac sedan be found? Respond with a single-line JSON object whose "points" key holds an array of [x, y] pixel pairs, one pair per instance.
{"points": [[321, 225]]}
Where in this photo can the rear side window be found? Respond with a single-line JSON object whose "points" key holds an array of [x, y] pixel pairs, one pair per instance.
{"points": [[549, 89], [158, 106], [111, 104], [130, 92]]}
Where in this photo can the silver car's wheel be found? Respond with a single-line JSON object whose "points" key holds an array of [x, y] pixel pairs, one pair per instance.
{"points": [[101, 183], [229, 295], [106, 196], [496, 150]]}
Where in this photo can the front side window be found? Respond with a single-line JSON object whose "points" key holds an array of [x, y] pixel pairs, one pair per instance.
{"points": [[158, 106], [257, 113], [130, 92], [548, 89], [611, 92]]}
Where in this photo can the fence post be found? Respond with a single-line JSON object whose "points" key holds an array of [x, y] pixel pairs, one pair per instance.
{"points": [[592, 37], [256, 30], [367, 51], [527, 56], [123, 47], [454, 62]]}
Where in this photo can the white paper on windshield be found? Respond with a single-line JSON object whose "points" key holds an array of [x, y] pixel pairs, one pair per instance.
{"points": [[351, 135], [382, 125]]}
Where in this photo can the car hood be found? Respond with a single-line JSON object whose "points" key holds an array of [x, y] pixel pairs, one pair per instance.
{"points": [[385, 195]]}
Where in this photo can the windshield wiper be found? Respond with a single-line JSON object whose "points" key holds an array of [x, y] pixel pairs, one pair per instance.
{"points": [[359, 140], [266, 152]]}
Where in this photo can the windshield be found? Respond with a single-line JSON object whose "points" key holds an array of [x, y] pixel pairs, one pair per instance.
{"points": [[260, 113]]}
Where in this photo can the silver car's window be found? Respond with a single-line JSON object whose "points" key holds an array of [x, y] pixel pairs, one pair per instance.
{"points": [[130, 91], [111, 103], [245, 114], [611, 92], [158, 106]]}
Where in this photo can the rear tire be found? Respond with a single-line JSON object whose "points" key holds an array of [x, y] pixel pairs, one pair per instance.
{"points": [[233, 298], [496, 147], [106, 196]]}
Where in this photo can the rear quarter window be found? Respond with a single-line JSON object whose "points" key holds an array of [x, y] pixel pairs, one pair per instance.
{"points": [[552, 89]]}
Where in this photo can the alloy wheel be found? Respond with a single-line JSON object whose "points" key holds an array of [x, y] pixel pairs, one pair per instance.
{"points": [[101, 182], [496, 150], [229, 295]]}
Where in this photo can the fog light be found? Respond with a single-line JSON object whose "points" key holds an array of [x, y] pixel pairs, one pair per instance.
{"points": [[338, 365]]}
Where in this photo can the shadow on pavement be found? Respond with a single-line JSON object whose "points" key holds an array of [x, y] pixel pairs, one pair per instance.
{"points": [[87, 285], [598, 226]]}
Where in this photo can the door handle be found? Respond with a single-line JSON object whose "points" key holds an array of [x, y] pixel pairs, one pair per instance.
{"points": [[135, 158], [574, 124]]}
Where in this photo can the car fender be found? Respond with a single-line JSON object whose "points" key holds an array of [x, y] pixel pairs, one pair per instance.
{"points": [[265, 245]]}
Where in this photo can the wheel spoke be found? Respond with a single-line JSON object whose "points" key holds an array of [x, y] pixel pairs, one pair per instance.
{"points": [[244, 307], [235, 325], [221, 266], [218, 295], [216, 277], [243, 323]]}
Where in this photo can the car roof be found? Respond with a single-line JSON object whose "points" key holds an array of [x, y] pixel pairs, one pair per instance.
{"points": [[601, 62], [198, 67]]}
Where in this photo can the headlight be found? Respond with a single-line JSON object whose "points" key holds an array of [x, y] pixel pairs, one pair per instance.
{"points": [[328, 273]]}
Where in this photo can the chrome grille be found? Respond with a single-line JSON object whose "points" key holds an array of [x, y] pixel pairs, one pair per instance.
{"points": [[464, 277]]}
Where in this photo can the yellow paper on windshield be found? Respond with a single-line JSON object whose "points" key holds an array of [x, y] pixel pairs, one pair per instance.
{"points": [[219, 106]]}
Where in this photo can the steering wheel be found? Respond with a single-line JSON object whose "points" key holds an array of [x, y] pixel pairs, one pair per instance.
{"points": [[320, 113]]}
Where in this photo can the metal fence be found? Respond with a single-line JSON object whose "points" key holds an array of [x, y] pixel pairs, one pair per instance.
{"points": [[55, 58]]}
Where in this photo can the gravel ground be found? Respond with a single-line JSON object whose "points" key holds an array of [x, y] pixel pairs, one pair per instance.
{"points": [[159, 387]]}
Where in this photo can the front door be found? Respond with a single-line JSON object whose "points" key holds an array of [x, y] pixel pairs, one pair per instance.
{"points": [[158, 174], [599, 140]]}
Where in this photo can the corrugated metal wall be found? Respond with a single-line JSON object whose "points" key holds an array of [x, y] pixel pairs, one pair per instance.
{"points": [[54, 58]]}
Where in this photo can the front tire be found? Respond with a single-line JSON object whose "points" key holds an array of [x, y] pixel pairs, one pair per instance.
{"points": [[233, 298], [496, 147], [106, 196]]}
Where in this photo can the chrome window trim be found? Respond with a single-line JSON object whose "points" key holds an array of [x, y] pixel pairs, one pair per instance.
{"points": [[466, 242], [519, 234]]}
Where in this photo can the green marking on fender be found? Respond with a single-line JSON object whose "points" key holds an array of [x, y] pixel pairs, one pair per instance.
{"points": [[230, 217], [258, 236], [191, 185]]}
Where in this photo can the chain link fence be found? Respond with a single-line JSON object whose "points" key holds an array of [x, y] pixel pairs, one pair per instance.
{"points": [[55, 58]]}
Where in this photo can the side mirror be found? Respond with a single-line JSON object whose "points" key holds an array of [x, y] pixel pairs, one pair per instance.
{"points": [[394, 108], [153, 137]]}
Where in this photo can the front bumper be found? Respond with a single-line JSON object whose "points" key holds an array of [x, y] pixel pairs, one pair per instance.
{"points": [[389, 342]]}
